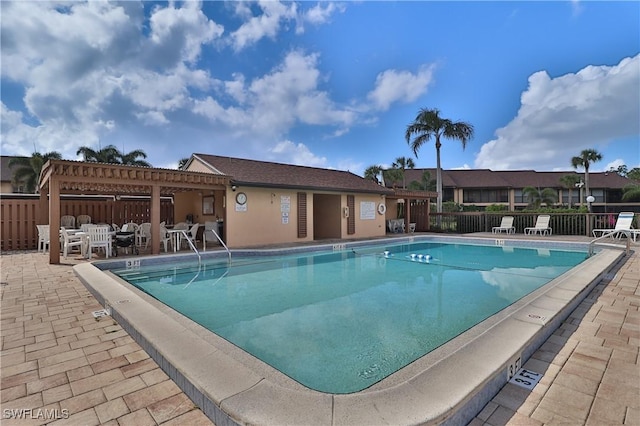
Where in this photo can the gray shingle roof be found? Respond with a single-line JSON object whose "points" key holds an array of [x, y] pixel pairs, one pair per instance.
{"points": [[268, 174]]}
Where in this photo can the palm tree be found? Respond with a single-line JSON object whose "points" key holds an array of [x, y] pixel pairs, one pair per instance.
{"points": [[29, 168], [111, 155], [131, 158], [634, 174], [183, 162], [585, 159], [428, 124], [631, 192], [108, 154], [539, 196], [425, 183], [372, 173], [569, 182], [392, 176], [403, 163]]}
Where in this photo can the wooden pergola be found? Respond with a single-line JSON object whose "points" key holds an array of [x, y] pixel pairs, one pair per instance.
{"points": [[406, 195], [73, 177]]}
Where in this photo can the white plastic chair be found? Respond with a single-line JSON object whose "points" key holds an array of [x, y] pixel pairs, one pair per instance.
{"points": [[44, 238], [68, 221], [165, 238], [82, 219], [193, 232], [69, 242], [143, 235], [100, 238]]}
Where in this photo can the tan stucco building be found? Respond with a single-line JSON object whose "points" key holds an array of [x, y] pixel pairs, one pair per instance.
{"points": [[273, 203]]}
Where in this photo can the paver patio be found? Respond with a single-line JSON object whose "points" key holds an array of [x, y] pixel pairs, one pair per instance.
{"points": [[60, 365]]}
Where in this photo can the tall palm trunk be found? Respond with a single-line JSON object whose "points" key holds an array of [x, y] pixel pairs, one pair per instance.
{"points": [[438, 182]]}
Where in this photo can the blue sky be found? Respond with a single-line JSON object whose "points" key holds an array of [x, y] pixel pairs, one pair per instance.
{"points": [[330, 84]]}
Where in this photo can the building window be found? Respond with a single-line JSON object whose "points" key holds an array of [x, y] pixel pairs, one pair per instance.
{"points": [[485, 196], [598, 194]]}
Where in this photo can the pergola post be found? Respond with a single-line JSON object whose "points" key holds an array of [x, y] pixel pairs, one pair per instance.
{"points": [[54, 221], [407, 215], [155, 219]]}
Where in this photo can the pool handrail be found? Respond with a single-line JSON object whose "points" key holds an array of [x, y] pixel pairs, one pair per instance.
{"points": [[221, 242], [627, 233], [193, 247]]}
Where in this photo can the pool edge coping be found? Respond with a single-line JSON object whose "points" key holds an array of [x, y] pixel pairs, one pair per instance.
{"points": [[229, 392]]}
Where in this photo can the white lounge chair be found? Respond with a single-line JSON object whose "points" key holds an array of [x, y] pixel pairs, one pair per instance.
{"points": [[623, 223], [506, 225], [541, 226]]}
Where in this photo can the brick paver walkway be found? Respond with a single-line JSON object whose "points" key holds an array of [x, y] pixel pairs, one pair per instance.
{"points": [[59, 365], [590, 364], [58, 361]]}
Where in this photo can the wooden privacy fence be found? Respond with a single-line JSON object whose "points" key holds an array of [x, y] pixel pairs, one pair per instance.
{"points": [[20, 215]]}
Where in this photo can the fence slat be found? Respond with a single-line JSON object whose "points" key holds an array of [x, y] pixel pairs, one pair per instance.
{"points": [[19, 216]]}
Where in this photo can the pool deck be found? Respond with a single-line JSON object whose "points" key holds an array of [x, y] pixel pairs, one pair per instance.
{"points": [[58, 361]]}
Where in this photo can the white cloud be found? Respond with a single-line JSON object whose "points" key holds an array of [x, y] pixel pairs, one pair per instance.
{"points": [[89, 68], [559, 117], [265, 25], [181, 32], [271, 104], [320, 14], [615, 164], [400, 86], [292, 153]]}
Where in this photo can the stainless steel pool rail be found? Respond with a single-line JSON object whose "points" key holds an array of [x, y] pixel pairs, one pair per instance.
{"points": [[220, 241], [620, 232], [193, 246]]}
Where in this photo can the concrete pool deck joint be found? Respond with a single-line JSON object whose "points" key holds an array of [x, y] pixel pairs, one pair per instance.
{"points": [[447, 385]]}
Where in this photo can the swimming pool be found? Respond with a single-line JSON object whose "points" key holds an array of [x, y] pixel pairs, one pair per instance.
{"points": [[341, 321], [450, 384]]}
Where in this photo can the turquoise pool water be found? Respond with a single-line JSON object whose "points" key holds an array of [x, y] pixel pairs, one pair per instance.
{"points": [[339, 322]]}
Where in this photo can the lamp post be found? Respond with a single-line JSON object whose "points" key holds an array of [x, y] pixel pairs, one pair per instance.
{"points": [[590, 199]]}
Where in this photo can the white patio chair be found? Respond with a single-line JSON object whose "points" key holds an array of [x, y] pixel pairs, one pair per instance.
{"points": [[193, 232], [99, 238], [68, 221], [165, 238], [70, 242], [43, 238], [143, 235], [82, 219]]}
